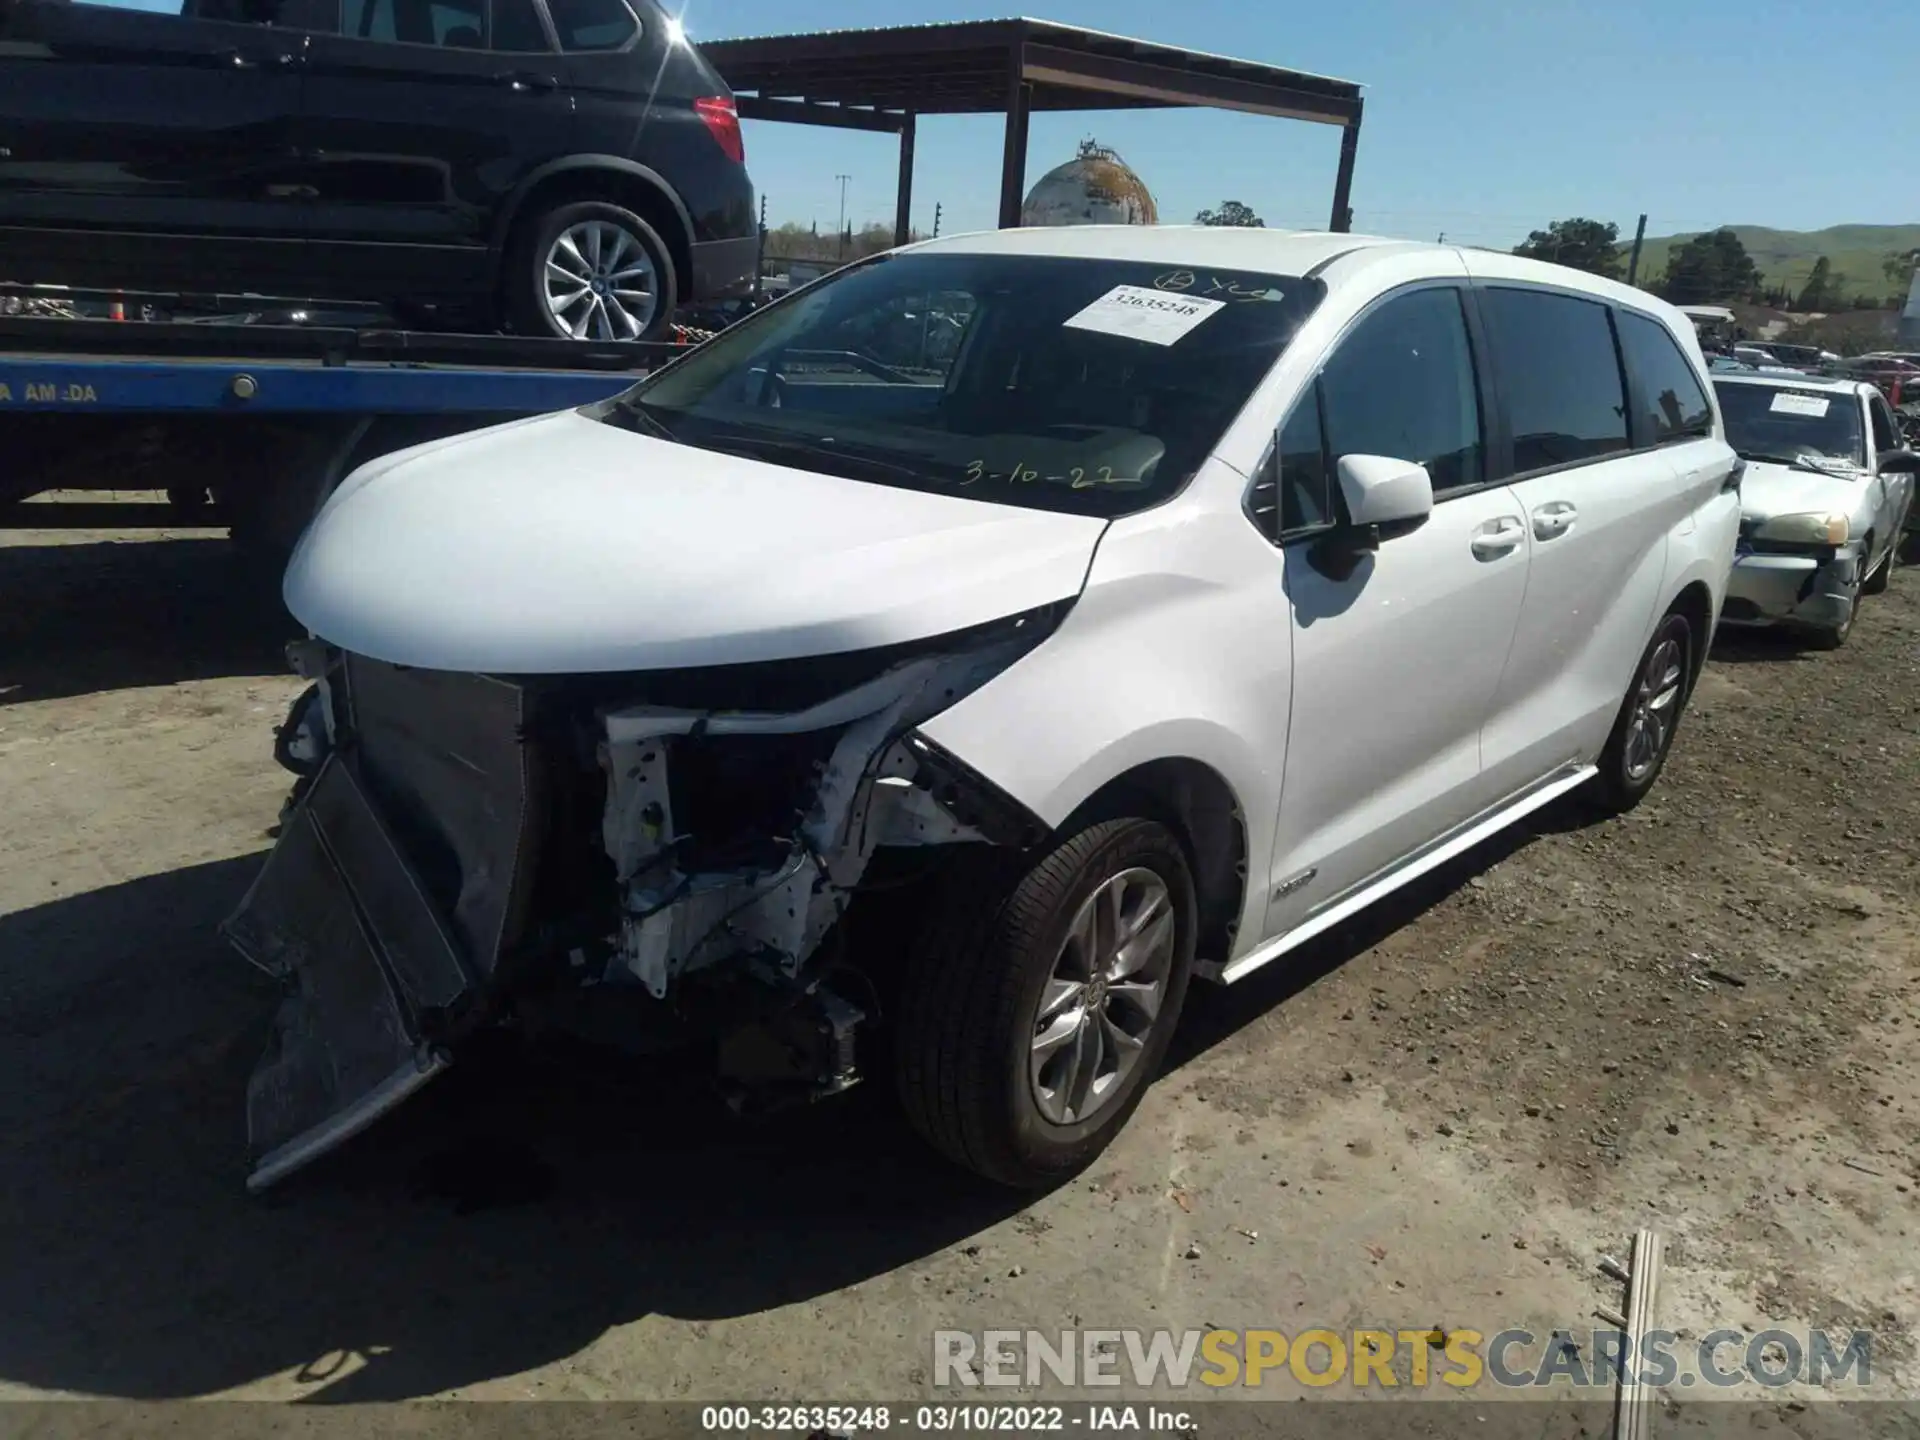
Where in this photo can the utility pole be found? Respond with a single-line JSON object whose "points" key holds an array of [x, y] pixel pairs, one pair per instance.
{"points": [[759, 270], [1633, 260], [843, 213]]}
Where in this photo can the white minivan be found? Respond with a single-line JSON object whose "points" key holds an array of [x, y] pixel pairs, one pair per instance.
{"points": [[939, 668]]}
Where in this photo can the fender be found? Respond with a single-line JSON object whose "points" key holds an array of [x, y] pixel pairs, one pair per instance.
{"points": [[1195, 592], [503, 226]]}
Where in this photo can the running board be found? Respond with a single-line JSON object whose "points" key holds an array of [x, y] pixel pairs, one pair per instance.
{"points": [[1422, 862]]}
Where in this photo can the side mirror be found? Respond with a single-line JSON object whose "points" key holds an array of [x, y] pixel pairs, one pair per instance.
{"points": [[1385, 492], [1384, 497], [1900, 462]]}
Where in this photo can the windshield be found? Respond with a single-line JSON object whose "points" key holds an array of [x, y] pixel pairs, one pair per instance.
{"points": [[1767, 422], [1089, 386]]}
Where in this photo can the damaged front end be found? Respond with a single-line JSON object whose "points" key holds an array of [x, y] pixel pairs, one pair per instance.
{"points": [[669, 853]]}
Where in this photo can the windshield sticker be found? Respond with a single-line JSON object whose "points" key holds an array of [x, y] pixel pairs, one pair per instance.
{"points": [[1788, 403], [1136, 313]]}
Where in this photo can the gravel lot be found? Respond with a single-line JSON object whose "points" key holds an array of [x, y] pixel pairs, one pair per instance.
{"points": [[1702, 1018]]}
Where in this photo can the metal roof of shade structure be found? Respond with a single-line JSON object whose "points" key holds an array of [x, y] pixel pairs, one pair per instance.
{"points": [[882, 79]]}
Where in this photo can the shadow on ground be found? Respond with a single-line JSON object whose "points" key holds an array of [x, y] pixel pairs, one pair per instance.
{"points": [[505, 1219], [104, 615]]}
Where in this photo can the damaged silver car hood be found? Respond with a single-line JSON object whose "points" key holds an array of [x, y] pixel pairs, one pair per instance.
{"points": [[562, 545], [1767, 490]]}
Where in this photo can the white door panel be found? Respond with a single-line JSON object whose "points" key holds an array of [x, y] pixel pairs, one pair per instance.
{"points": [[1599, 560], [1395, 669]]}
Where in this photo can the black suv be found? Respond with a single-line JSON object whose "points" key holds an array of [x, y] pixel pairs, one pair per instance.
{"points": [[572, 166]]}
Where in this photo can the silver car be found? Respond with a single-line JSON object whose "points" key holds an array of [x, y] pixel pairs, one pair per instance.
{"points": [[1827, 489]]}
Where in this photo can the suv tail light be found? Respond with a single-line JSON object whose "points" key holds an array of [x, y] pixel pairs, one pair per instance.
{"points": [[724, 121]]}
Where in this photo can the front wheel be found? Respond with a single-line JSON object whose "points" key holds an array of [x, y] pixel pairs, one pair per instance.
{"points": [[590, 270], [1643, 732], [1029, 1029], [1832, 637]]}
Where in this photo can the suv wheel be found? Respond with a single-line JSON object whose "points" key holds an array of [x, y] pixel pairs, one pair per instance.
{"points": [[1029, 1029], [1642, 735], [590, 270]]}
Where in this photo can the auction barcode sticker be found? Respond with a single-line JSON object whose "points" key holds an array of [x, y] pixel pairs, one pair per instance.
{"points": [[1142, 314]]}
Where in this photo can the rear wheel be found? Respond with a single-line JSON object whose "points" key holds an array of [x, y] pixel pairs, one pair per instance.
{"points": [[591, 270], [1029, 1029], [1643, 732]]}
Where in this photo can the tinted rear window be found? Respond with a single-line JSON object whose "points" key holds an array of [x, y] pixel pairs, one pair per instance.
{"points": [[1561, 376], [1676, 403], [516, 28], [592, 24]]}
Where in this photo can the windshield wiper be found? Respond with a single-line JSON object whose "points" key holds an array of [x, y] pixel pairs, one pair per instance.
{"points": [[1827, 464], [855, 464], [639, 417]]}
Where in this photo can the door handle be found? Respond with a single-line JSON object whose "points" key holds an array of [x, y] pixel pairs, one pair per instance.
{"points": [[522, 82], [1497, 538], [241, 62], [1553, 520]]}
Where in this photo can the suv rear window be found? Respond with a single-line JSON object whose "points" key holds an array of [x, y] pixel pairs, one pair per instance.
{"points": [[1090, 386], [592, 24], [1561, 376]]}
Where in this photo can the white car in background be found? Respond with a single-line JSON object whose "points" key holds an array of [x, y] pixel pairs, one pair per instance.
{"points": [[1826, 493], [961, 706]]}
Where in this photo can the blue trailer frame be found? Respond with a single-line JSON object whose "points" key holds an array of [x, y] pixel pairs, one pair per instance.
{"points": [[250, 426], [216, 386]]}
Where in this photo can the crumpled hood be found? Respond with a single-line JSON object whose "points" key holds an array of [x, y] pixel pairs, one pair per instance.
{"points": [[1768, 490], [563, 545]]}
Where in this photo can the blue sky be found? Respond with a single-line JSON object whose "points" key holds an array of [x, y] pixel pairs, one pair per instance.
{"points": [[1484, 119]]}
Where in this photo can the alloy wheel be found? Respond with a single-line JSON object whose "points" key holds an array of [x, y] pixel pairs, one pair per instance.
{"points": [[599, 282], [1656, 708], [1103, 996]]}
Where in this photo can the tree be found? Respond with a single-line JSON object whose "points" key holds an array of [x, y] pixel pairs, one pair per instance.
{"points": [[1231, 212], [1899, 266], [1582, 244], [1820, 292], [1710, 267]]}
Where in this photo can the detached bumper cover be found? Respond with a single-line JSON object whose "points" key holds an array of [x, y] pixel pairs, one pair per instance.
{"points": [[339, 916], [398, 880]]}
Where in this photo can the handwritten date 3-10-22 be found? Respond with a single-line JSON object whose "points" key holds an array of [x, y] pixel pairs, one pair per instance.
{"points": [[1078, 477]]}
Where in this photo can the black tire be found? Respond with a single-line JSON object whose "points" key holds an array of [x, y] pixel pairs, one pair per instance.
{"points": [[524, 280], [1832, 637], [970, 1000], [1624, 778]]}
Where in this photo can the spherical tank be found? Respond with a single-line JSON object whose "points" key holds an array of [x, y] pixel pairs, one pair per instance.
{"points": [[1093, 188]]}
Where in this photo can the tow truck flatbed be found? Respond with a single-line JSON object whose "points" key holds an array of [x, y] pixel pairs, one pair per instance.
{"points": [[250, 425]]}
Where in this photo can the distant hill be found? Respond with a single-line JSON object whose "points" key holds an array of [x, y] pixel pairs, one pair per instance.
{"points": [[1785, 256]]}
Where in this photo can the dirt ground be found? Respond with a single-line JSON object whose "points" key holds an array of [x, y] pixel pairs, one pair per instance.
{"points": [[1701, 1018]]}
